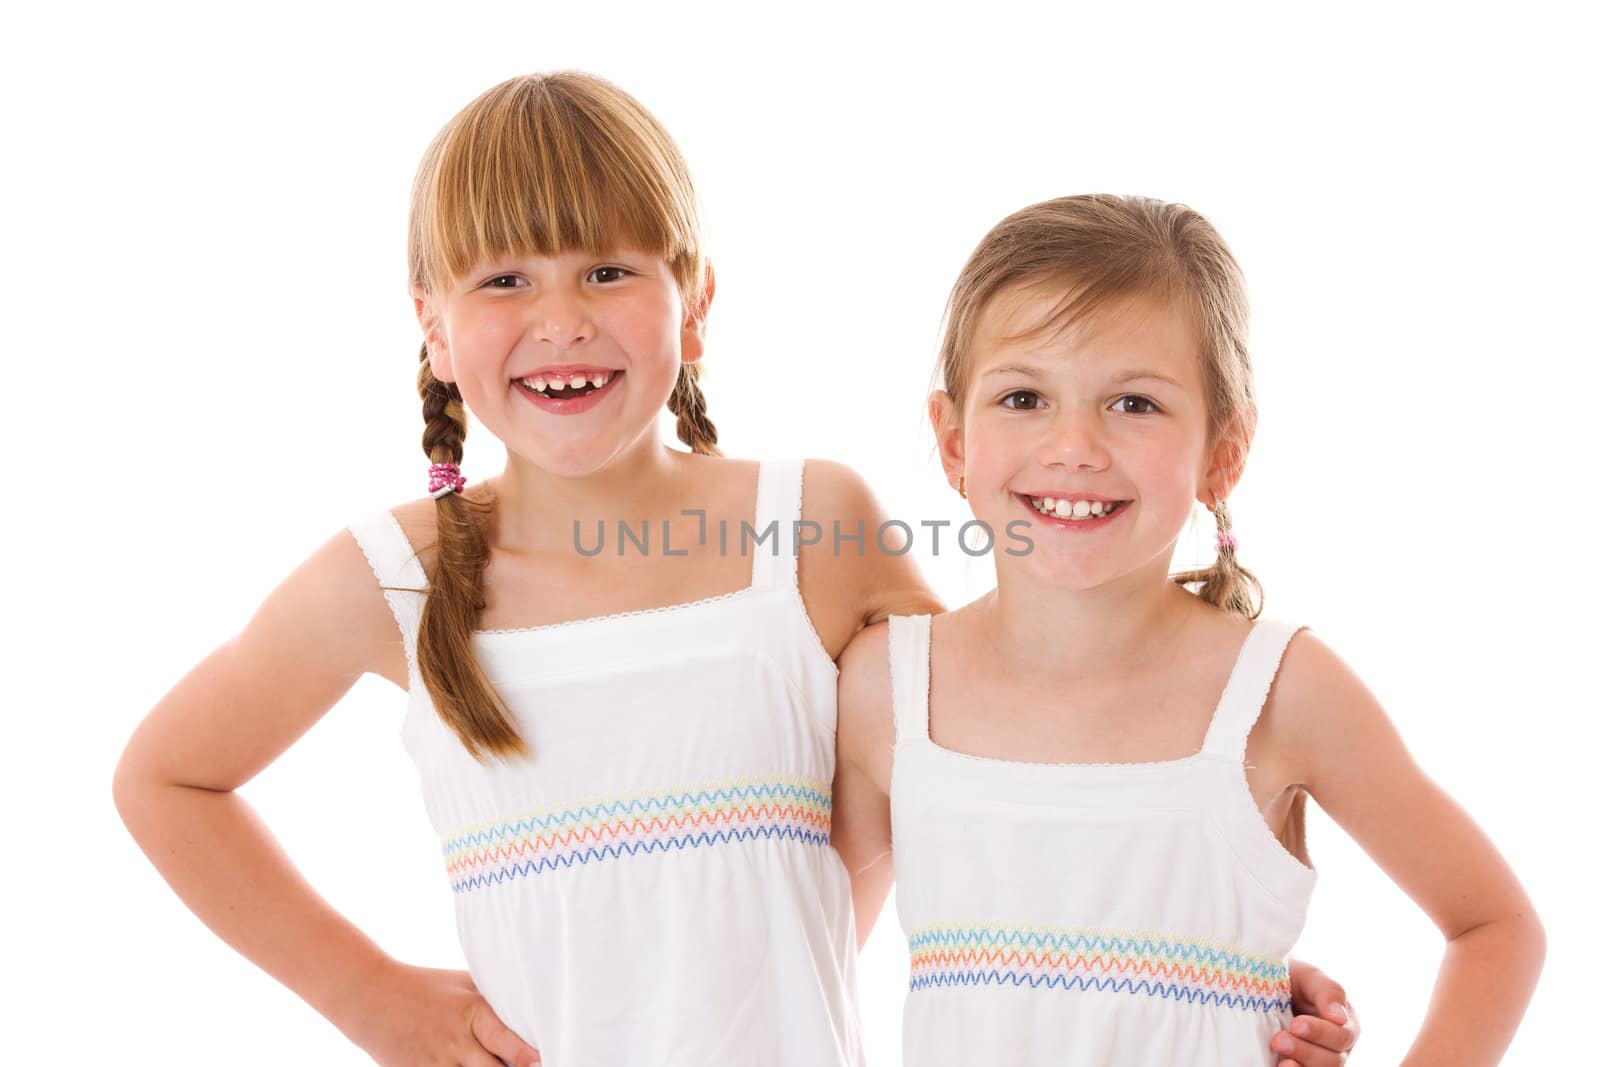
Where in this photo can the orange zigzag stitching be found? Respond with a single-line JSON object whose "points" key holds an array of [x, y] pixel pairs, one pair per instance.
{"points": [[1065, 961]]}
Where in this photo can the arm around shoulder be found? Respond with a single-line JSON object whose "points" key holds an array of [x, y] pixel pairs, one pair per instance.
{"points": [[866, 572], [1359, 771]]}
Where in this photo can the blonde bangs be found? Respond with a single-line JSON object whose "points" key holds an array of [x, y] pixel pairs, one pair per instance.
{"points": [[1082, 302], [549, 164]]}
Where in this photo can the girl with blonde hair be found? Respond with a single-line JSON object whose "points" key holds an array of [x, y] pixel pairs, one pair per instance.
{"points": [[628, 759], [1092, 780]]}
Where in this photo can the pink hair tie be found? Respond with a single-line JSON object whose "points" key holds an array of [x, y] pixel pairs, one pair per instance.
{"points": [[1226, 540], [443, 479]]}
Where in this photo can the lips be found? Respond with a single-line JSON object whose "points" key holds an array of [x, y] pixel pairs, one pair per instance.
{"points": [[1075, 512], [570, 398]]}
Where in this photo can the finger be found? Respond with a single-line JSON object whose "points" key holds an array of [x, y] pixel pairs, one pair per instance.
{"points": [[496, 1037], [1304, 1053], [482, 1057], [1349, 1020], [1322, 996], [1336, 1037], [1312, 990]]}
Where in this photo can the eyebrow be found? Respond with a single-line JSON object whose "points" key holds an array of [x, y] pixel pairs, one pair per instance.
{"points": [[1013, 368], [1135, 375], [1122, 379]]}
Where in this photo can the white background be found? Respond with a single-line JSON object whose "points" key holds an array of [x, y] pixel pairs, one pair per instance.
{"points": [[212, 357]]}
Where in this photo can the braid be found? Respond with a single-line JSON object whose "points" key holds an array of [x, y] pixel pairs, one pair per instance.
{"points": [[461, 692], [1225, 584], [687, 402], [444, 418]]}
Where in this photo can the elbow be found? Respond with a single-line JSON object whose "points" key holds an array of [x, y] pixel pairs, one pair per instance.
{"points": [[1516, 937], [1527, 932], [133, 787], [1537, 944], [125, 787]]}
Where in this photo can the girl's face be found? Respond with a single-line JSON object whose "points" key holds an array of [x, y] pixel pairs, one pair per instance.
{"points": [[1095, 436], [567, 359]]}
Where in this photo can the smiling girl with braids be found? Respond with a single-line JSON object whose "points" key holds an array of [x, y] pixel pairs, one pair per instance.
{"points": [[1093, 778], [628, 758]]}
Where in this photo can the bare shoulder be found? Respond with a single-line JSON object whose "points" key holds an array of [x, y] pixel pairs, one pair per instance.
{"points": [[1317, 706], [419, 521], [857, 571], [336, 597], [324, 626], [835, 490], [866, 704], [1314, 684]]}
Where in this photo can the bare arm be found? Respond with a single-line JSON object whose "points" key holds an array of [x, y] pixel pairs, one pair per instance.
{"points": [[229, 718], [854, 582], [861, 828], [1359, 771], [848, 586]]}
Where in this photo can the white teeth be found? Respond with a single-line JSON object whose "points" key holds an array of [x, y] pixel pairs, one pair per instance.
{"points": [[542, 384], [1072, 510]]}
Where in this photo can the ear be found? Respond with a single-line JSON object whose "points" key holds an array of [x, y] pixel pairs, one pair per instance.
{"points": [[946, 420], [694, 320], [427, 309], [1228, 457]]}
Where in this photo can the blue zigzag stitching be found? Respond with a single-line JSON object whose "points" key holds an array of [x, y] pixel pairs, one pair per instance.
{"points": [[1092, 944], [560, 820], [593, 854], [1113, 985]]}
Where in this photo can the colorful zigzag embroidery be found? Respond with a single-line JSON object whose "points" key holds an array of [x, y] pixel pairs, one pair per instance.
{"points": [[590, 831], [1139, 964]]}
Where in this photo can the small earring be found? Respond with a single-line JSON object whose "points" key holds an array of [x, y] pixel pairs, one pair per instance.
{"points": [[962, 489]]}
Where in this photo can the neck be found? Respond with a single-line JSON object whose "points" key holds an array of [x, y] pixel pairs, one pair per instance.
{"points": [[536, 509], [1061, 637]]}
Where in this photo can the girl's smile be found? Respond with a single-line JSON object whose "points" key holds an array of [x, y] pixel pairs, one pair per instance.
{"points": [[563, 391], [1077, 513], [598, 334]]}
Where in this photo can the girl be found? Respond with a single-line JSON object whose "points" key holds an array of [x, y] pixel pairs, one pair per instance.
{"points": [[627, 757], [1097, 784]]}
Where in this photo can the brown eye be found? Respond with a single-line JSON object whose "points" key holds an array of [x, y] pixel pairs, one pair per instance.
{"points": [[1136, 405], [1021, 400], [607, 274]]}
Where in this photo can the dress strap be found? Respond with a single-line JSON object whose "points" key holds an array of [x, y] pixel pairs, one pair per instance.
{"points": [[1247, 688], [908, 675], [398, 571], [773, 542]]}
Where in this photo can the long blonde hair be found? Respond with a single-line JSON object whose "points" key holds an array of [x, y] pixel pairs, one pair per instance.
{"points": [[541, 164], [1099, 248]]}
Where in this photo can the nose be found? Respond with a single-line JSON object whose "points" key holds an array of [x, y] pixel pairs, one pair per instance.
{"points": [[562, 318], [1074, 441]]}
